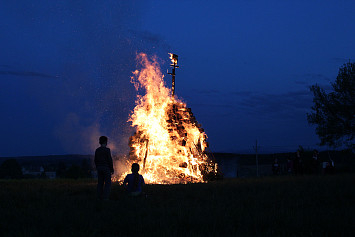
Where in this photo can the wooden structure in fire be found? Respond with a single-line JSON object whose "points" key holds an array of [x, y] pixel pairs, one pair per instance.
{"points": [[178, 116]]}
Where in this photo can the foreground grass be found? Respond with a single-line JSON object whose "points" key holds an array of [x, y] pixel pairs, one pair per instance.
{"points": [[271, 206]]}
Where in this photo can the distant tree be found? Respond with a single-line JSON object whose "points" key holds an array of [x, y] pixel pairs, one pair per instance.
{"points": [[10, 169], [334, 112], [61, 168], [300, 149], [74, 172], [86, 168]]}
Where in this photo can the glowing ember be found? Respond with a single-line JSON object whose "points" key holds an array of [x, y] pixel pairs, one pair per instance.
{"points": [[168, 144]]}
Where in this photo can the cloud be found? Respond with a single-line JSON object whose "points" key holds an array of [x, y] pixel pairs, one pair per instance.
{"points": [[206, 92], [340, 60], [285, 105], [309, 79], [229, 106], [300, 82], [147, 36], [26, 74], [315, 77]]}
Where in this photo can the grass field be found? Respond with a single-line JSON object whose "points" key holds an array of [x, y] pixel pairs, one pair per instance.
{"points": [[269, 206]]}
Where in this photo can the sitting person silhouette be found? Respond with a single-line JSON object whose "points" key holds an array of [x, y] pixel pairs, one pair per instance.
{"points": [[133, 182]]}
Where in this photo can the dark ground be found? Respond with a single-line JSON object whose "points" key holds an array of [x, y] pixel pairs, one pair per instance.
{"points": [[268, 206]]}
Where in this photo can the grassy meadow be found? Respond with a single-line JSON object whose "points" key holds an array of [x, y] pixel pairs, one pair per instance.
{"points": [[268, 206]]}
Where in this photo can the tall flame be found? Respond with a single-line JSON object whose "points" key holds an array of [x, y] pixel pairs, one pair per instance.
{"points": [[168, 144]]}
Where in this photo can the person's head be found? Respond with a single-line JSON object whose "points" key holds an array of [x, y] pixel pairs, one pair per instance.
{"points": [[135, 168], [103, 140]]}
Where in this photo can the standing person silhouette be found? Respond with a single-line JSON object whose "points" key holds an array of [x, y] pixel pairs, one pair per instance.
{"points": [[104, 167], [276, 167], [133, 182], [315, 161]]}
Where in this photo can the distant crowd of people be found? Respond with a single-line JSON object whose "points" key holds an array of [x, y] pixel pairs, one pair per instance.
{"points": [[132, 183], [296, 165]]}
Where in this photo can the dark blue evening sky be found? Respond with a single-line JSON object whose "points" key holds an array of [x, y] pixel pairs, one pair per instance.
{"points": [[245, 69]]}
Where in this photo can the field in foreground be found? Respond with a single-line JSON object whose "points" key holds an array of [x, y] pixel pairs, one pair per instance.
{"points": [[269, 206]]}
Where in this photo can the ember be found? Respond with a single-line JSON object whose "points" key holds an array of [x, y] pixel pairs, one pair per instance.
{"points": [[169, 143]]}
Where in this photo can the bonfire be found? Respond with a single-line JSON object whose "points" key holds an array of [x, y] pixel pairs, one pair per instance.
{"points": [[169, 144]]}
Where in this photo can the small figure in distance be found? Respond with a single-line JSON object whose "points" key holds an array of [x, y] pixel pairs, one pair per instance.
{"points": [[104, 167], [133, 182], [315, 162], [289, 165], [297, 163], [276, 167]]}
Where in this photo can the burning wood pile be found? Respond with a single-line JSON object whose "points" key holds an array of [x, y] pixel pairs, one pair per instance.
{"points": [[169, 143]]}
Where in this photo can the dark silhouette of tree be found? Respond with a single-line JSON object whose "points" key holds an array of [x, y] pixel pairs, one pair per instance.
{"points": [[10, 169], [334, 112], [61, 168], [74, 172], [86, 168]]}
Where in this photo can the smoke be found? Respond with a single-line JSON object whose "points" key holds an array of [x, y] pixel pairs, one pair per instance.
{"points": [[121, 166], [90, 47], [81, 136]]}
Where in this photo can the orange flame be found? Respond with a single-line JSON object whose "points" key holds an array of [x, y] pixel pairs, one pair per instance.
{"points": [[168, 144], [172, 58]]}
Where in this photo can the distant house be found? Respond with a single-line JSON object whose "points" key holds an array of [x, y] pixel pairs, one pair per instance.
{"points": [[37, 172], [32, 171]]}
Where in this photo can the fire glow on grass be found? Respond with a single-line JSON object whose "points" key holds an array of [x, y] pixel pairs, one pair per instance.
{"points": [[168, 143]]}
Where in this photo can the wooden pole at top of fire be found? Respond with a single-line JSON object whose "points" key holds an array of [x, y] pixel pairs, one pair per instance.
{"points": [[174, 60]]}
